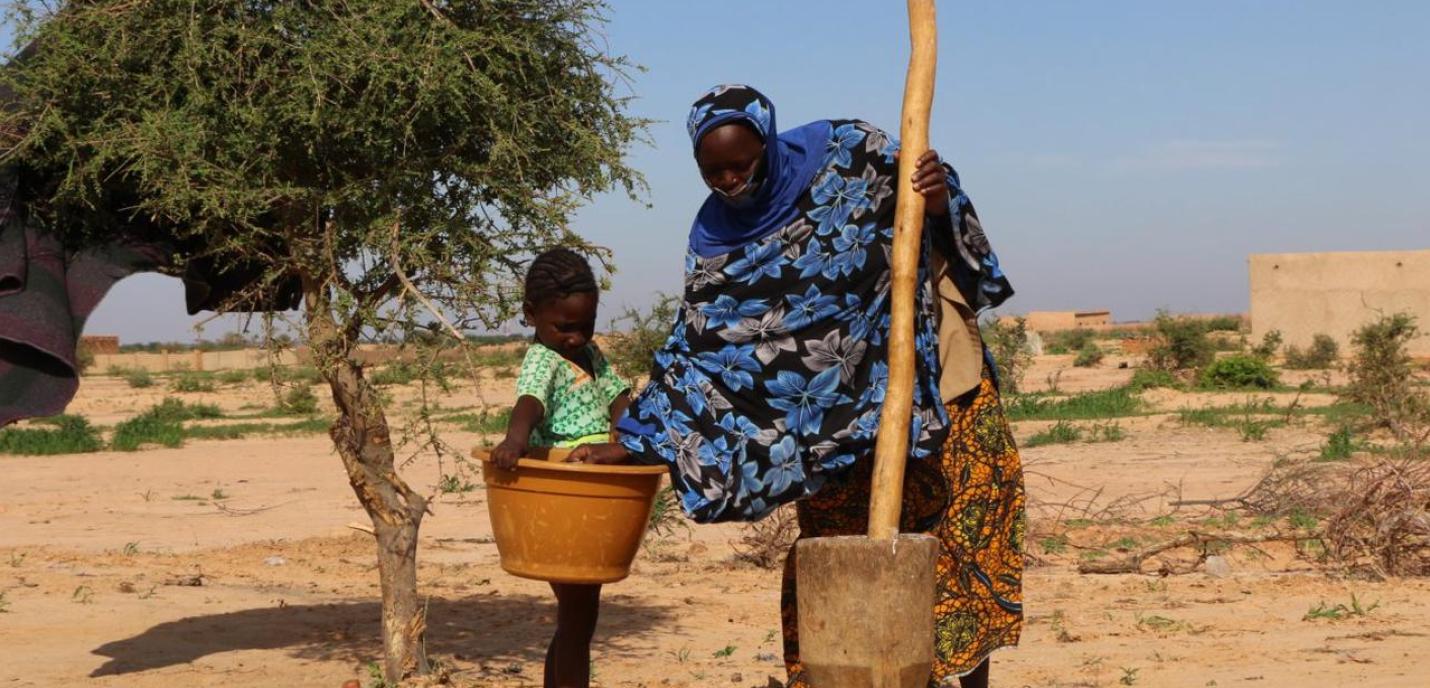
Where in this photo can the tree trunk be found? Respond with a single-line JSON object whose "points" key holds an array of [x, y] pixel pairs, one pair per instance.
{"points": [[363, 441]]}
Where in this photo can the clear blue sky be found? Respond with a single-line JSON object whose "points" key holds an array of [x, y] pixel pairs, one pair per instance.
{"points": [[1122, 154]]}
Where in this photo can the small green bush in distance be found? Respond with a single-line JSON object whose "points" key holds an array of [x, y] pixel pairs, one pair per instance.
{"points": [[1270, 344], [162, 424], [146, 429], [1182, 344], [68, 435], [233, 377], [1008, 343], [395, 373], [192, 382], [1223, 323], [1339, 446], [1150, 378], [1321, 354], [1088, 356], [139, 379], [1239, 371], [1067, 341], [1383, 376], [299, 401], [292, 374]]}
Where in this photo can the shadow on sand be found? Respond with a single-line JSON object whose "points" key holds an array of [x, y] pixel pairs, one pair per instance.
{"points": [[498, 629]]}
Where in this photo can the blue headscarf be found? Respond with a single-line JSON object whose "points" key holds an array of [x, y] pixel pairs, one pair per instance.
{"points": [[791, 161]]}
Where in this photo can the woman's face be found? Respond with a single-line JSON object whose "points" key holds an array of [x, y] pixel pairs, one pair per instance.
{"points": [[729, 158]]}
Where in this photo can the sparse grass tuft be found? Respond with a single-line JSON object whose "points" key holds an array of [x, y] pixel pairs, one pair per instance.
{"points": [[1340, 611], [1102, 404]]}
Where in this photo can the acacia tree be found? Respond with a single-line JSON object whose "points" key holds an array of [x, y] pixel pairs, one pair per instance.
{"points": [[396, 157]]}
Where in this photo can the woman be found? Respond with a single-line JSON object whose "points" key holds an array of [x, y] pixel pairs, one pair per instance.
{"points": [[770, 386]]}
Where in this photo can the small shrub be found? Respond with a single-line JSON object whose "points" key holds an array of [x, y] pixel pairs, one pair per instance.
{"points": [[192, 382], [1270, 344], [1088, 356], [146, 429], [233, 377], [299, 401], [1339, 446], [176, 410], [395, 373], [1008, 342], [1061, 432], [1182, 344], [139, 379], [1383, 376], [307, 375], [1321, 354], [1067, 341], [83, 360], [70, 435], [162, 425], [1150, 378], [1223, 323], [1239, 372]]}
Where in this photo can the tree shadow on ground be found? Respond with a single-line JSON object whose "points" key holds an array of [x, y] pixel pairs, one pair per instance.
{"points": [[493, 629]]}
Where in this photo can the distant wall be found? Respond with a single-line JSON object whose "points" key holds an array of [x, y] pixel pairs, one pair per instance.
{"points": [[1304, 294], [99, 343], [193, 360], [1055, 321]]}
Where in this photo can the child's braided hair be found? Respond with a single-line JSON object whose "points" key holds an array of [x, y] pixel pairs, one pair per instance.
{"points": [[556, 274]]}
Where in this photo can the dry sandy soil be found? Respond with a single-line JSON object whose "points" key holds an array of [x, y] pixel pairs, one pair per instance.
{"points": [[124, 569]]}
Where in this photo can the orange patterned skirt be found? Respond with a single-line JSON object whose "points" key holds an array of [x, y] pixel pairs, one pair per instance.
{"points": [[971, 499]]}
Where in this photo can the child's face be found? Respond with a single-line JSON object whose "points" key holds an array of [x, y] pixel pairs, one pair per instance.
{"points": [[564, 325]]}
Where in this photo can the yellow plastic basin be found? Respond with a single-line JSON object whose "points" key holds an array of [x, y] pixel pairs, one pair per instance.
{"points": [[568, 522]]}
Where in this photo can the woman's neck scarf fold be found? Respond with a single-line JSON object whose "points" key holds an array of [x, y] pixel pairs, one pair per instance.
{"points": [[791, 161]]}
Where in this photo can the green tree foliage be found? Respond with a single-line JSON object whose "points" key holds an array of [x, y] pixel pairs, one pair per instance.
{"points": [[400, 159], [637, 335]]}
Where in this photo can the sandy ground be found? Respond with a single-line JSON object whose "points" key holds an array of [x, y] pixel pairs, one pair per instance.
{"points": [[128, 570]]}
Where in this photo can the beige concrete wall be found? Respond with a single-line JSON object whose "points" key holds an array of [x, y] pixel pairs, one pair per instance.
{"points": [[1304, 294]]}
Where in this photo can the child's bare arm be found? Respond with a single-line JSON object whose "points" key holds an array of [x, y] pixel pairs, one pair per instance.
{"points": [[618, 409], [524, 416]]}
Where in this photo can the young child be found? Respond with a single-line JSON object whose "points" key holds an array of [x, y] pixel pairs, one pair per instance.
{"points": [[567, 395]]}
